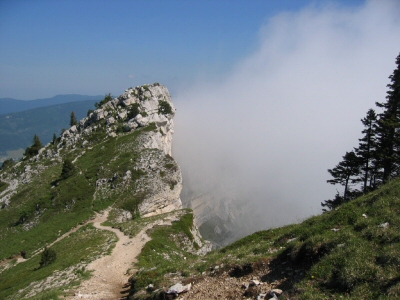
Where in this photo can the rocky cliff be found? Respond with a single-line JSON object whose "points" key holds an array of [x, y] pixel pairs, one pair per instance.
{"points": [[147, 107], [118, 161]]}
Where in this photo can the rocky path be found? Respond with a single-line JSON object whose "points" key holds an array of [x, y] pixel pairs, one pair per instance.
{"points": [[111, 272]]}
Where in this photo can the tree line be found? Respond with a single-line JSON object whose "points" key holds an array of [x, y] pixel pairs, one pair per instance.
{"points": [[376, 160]]}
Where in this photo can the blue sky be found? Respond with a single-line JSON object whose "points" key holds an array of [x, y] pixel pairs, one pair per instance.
{"points": [[96, 47]]}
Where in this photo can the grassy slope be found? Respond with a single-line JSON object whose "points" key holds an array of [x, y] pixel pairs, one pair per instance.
{"points": [[57, 208], [81, 246], [358, 260]]}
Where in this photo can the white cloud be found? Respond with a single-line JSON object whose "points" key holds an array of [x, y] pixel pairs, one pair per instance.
{"points": [[289, 111]]}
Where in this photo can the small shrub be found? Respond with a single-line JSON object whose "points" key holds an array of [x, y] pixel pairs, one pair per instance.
{"points": [[47, 257], [106, 99], [24, 215], [164, 107], [171, 166], [132, 205], [6, 164], [172, 184], [134, 111]]}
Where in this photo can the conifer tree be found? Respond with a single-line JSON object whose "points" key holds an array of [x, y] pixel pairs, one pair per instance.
{"points": [[346, 172], [388, 131], [34, 149], [54, 139], [73, 120], [68, 169], [36, 142], [366, 151], [332, 203]]}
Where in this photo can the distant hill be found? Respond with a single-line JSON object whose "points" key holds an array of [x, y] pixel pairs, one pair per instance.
{"points": [[9, 105], [17, 129]]}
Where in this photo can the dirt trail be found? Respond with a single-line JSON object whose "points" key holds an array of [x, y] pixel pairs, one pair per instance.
{"points": [[110, 272]]}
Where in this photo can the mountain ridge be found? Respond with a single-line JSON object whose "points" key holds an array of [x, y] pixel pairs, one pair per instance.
{"points": [[10, 105], [118, 158]]}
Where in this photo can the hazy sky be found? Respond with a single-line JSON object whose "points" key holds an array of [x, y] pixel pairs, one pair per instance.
{"points": [[290, 109], [269, 93]]}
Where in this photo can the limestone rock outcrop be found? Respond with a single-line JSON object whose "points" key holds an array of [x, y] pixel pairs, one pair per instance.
{"points": [[147, 107]]}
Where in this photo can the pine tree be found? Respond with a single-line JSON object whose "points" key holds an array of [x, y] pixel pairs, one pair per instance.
{"points": [[34, 149], [332, 204], [54, 139], [366, 151], [388, 133], [345, 173], [68, 169], [36, 142], [73, 120]]}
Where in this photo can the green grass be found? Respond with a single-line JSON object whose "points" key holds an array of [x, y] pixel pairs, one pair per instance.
{"points": [[361, 260], [165, 253], [51, 204], [3, 186], [82, 246]]}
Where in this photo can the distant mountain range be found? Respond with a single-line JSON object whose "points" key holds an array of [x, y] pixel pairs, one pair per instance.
{"points": [[9, 105], [48, 117]]}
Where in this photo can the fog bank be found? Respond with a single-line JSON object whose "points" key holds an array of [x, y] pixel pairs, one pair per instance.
{"points": [[272, 127]]}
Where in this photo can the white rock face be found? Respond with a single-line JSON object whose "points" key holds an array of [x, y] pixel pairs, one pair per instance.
{"points": [[136, 108], [141, 121], [147, 101], [162, 191]]}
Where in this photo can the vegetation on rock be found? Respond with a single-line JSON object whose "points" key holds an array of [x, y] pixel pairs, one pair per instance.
{"points": [[106, 99], [164, 107]]}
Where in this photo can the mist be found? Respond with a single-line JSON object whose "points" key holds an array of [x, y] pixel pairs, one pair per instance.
{"points": [[271, 128]]}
